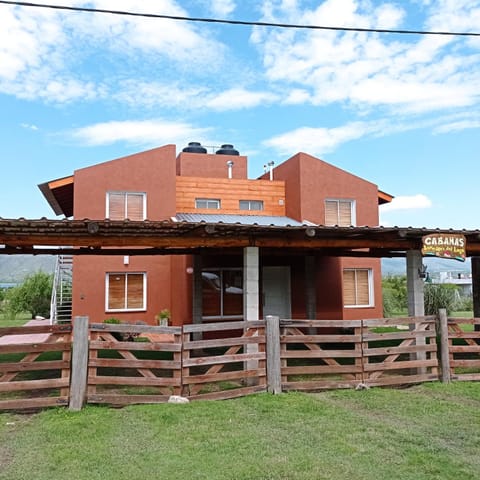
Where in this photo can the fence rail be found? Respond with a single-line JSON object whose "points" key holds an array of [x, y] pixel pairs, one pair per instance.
{"points": [[35, 366], [125, 364], [464, 348]]}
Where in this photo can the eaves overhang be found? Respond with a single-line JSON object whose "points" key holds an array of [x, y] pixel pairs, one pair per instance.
{"points": [[59, 195], [106, 237]]}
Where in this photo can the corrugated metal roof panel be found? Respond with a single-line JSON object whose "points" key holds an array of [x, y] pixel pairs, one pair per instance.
{"points": [[238, 219]]}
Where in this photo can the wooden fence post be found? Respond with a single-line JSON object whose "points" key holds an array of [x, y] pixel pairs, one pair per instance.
{"points": [[444, 350], [78, 379], [272, 339]]}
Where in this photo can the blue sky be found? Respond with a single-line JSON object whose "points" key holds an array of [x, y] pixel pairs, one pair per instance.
{"points": [[402, 111]]}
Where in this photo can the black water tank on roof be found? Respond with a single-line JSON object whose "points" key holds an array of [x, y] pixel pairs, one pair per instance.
{"points": [[227, 149], [195, 147]]}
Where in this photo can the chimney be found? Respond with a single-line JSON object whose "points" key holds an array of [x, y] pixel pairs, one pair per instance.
{"points": [[230, 168], [270, 166]]}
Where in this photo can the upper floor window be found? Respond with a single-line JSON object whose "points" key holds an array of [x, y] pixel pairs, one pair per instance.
{"points": [[340, 212], [251, 204], [122, 205], [210, 203], [358, 287], [125, 291]]}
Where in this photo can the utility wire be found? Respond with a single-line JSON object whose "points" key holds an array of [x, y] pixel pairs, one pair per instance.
{"points": [[242, 22]]}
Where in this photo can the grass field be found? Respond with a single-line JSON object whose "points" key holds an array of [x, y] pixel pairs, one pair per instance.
{"points": [[19, 320], [425, 432]]}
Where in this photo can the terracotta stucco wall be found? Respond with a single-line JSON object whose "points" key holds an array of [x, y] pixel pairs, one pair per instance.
{"points": [[152, 172], [309, 181], [210, 165]]}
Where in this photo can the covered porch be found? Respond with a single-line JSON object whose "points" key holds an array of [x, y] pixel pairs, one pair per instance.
{"points": [[264, 254]]}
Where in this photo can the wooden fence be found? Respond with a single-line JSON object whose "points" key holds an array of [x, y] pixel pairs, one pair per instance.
{"points": [[359, 353], [125, 364], [464, 348], [35, 373], [221, 368]]}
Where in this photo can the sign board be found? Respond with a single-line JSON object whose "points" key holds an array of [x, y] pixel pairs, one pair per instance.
{"points": [[445, 245]]}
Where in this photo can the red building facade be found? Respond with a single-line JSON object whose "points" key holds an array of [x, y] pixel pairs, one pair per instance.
{"points": [[193, 186]]}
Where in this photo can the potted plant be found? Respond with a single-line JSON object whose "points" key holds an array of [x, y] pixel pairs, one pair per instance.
{"points": [[163, 318]]}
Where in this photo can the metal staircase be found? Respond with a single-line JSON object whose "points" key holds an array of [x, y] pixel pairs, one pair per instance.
{"points": [[61, 302]]}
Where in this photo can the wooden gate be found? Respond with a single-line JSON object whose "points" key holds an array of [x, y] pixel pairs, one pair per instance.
{"points": [[399, 350], [123, 370], [320, 354], [221, 368]]}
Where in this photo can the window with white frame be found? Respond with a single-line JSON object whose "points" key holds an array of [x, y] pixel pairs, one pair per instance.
{"points": [[251, 204], [209, 203], [126, 291], [123, 205], [340, 212], [358, 287]]}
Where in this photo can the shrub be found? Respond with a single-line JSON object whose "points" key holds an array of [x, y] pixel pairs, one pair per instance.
{"points": [[439, 296]]}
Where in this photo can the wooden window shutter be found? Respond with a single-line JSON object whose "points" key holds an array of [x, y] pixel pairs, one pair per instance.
{"points": [[363, 294], [345, 213], [116, 206], [116, 291], [135, 206], [331, 212], [134, 291], [349, 287]]}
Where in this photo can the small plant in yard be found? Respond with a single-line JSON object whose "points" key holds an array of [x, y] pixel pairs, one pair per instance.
{"points": [[163, 318]]}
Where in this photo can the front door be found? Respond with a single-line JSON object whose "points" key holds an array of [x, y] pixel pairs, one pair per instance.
{"points": [[276, 291]]}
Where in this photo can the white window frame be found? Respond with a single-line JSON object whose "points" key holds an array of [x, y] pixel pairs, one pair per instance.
{"points": [[107, 292], [249, 204], [126, 193], [353, 209], [371, 296], [209, 202]]}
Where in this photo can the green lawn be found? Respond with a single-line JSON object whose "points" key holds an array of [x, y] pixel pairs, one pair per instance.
{"points": [[425, 432], [18, 321]]}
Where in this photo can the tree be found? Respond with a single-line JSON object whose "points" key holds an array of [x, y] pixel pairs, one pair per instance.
{"points": [[33, 296], [394, 290]]}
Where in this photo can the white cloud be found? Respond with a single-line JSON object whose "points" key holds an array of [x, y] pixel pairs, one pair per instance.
{"points": [[238, 98], [42, 51], [190, 97], [457, 126], [318, 141], [410, 73], [29, 126], [147, 132], [222, 8], [412, 202]]}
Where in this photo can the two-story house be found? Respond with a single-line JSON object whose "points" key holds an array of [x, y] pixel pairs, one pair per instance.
{"points": [[196, 186]]}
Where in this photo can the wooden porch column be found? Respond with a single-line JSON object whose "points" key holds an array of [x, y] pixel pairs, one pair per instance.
{"points": [[251, 286], [476, 288], [415, 296]]}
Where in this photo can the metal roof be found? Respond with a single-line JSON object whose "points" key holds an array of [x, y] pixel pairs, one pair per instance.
{"points": [[265, 220]]}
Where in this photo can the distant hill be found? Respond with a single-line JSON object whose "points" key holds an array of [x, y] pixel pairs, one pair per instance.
{"points": [[398, 266], [14, 268]]}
